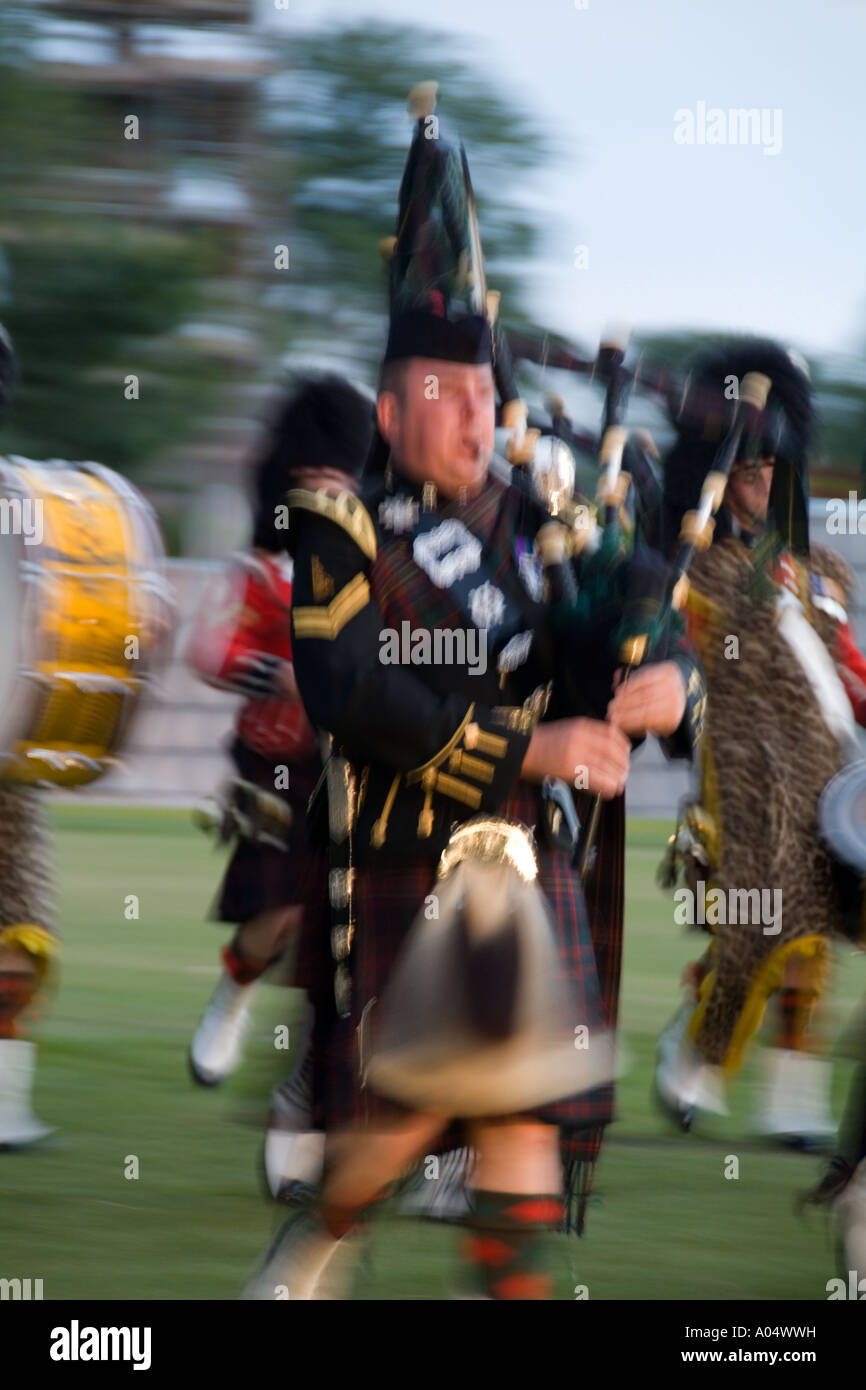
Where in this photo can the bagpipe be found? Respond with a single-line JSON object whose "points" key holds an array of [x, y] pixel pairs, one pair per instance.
{"points": [[651, 594], [841, 811]]}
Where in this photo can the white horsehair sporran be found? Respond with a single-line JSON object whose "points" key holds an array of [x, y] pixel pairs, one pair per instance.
{"points": [[477, 1018]]}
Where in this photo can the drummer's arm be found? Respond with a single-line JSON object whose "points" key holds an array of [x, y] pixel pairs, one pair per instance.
{"points": [[227, 648]]}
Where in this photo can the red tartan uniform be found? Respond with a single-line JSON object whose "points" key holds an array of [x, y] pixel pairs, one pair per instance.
{"points": [[253, 613], [850, 662], [851, 665]]}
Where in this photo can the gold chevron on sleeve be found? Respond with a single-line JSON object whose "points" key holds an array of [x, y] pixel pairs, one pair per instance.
{"points": [[328, 622]]}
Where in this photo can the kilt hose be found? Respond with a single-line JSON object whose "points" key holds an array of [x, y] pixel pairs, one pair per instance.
{"points": [[387, 899], [260, 877]]}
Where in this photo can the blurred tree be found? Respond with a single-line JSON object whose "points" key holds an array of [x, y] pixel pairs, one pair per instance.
{"points": [[89, 300], [93, 295]]}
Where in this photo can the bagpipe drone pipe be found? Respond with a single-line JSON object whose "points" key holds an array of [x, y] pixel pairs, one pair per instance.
{"points": [[613, 593]]}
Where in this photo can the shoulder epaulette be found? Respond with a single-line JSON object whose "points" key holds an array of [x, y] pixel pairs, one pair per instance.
{"points": [[345, 510]]}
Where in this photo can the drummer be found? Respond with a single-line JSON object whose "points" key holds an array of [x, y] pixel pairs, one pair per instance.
{"points": [[69, 735], [28, 943]]}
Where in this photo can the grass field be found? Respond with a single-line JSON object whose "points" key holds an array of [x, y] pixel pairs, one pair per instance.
{"points": [[666, 1223]]}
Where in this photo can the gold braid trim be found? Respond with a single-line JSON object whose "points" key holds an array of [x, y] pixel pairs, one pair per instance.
{"points": [[380, 827], [492, 744], [459, 761], [417, 773], [459, 791], [345, 510]]}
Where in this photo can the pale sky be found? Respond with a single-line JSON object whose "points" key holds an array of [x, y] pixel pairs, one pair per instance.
{"points": [[679, 236]]}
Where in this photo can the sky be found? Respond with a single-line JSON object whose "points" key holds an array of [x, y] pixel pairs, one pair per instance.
{"points": [[678, 235]]}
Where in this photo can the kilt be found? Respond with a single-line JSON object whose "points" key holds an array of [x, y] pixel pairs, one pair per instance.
{"points": [[260, 877], [387, 900]]}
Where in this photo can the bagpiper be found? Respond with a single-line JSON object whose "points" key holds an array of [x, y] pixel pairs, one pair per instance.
{"points": [[767, 612], [460, 707]]}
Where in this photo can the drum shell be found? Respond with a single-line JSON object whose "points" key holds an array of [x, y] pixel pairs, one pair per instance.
{"points": [[94, 618]]}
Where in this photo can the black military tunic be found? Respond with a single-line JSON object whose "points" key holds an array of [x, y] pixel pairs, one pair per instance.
{"points": [[453, 591]]}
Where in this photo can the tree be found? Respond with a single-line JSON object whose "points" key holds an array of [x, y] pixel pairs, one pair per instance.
{"points": [[94, 299], [88, 299]]}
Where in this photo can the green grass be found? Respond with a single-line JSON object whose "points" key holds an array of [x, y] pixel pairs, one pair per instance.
{"points": [[666, 1223]]}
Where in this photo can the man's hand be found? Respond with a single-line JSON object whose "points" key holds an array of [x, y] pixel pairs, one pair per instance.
{"points": [[652, 701], [262, 674], [559, 748]]}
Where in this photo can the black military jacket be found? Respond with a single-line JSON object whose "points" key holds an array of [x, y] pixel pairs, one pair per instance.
{"points": [[423, 644]]}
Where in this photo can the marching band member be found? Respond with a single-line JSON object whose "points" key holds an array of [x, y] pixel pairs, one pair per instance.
{"points": [[28, 941], [28, 946], [446, 760], [767, 613], [243, 643]]}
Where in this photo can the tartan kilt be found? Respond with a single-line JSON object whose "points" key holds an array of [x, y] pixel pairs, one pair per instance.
{"points": [[260, 878], [387, 900]]}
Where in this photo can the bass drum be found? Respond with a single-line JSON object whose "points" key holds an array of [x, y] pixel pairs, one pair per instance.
{"points": [[86, 617]]}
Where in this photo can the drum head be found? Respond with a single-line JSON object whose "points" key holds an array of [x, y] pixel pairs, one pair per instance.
{"points": [[17, 637], [20, 626], [10, 619], [842, 815]]}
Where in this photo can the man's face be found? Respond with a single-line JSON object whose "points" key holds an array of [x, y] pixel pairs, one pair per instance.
{"points": [[440, 424], [747, 495]]}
